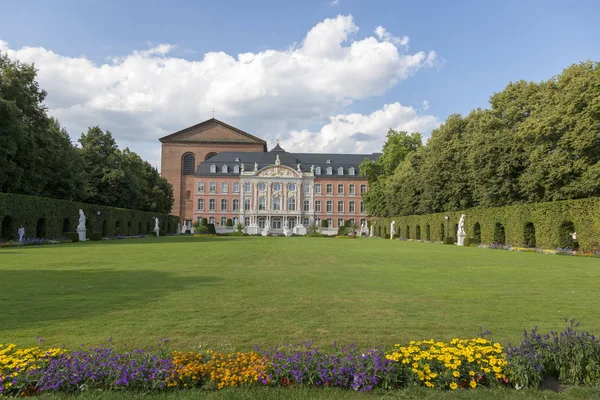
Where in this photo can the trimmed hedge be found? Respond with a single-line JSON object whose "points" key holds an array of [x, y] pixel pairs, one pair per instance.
{"points": [[72, 236], [55, 217], [543, 225]]}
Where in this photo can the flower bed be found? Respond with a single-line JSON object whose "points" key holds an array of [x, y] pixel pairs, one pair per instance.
{"points": [[570, 357]]}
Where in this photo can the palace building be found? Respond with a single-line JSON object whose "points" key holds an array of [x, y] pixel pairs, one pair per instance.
{"points": [[220, 172]]}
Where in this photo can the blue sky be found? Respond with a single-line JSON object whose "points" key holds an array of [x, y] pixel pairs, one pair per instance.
{"points": [[479, 47]]}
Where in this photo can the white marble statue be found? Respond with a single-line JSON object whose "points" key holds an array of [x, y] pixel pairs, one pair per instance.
{"points": [[81, 219], [21, 232], [372, 233], [156, 228], [255, 166], [242, 167], [277, 160], [392, 229], [81, 230], [364, 229], [460, 234], [312, 169], [266, 230], [299, 170]]}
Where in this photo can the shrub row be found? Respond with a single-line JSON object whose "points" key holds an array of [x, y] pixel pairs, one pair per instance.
{"points": [[50, 218], [543, 225]]}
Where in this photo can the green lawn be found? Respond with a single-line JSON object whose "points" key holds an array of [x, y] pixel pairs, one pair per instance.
{"points": [[229, 292]]}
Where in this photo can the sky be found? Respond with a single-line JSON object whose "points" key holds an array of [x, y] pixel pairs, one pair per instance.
{"points": [[320, 75]]}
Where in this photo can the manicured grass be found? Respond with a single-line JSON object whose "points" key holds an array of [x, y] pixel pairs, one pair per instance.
{"points": [[232, 293]]}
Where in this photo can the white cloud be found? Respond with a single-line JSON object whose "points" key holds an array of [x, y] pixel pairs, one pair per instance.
{"points": [[359, 133], [425, 105], [151, 93], [334, 3]]}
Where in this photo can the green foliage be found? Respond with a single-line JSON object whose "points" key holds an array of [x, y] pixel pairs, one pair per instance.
{"points": [[202, 230], [62, 216], [211, 229], [229, 223], [537, 142], [96, 236], [72, 236], [554, 222], [342, 231], [449, 240], [324, 223], [204, 221], [312, 229], [239, 228]]}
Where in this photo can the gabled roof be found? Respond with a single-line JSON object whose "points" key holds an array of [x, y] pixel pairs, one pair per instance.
{"points": [[182, 135]]}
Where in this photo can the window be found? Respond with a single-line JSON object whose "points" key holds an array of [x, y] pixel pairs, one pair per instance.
{"points": [[329, 206], [340, 206], [247, 204], [330, 222], [276, 203], [262, 203], [211, 220], [201, 187], [237, 159], [189, 162], [224, 187], [291, 187], [235, 205], [340, 188], [224, 169], [212, 205], [236, 221], [247, 221], [341, 171], [213, 169], [200, 205], [362, 207], [262, 187], [318, 206], [292, 203], [352, 207], [329, 171], [318, 170], [223, 204], [318, 188], [306, 205], [305, 221], [329, 188], [363, 188], [236, 169], [352, 221], [188, 195], [351, 171], [352, 188], [328, 161], [212, 187], [277, 187], [199, 218], [223, 221], [236, 187], [340, 222], [318, 221], [306, 188], [362, 221], [247, 187]]}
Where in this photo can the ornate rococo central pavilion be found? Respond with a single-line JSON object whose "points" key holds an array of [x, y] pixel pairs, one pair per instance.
{"points": [[270, 192]]}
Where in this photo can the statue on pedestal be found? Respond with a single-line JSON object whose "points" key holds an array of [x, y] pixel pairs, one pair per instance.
{"points": [[21, 232], [372, 233], [156, 228], [460, 234], [81, 230], [392, 229], [255, 166]]}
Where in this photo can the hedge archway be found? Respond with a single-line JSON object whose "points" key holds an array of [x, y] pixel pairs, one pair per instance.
{"points": [[139, 232], [40, 228], [477, 232], [9, 228], [418, 232], [455, 233], [117, 228], [499, 234], [529, 235], [66, 225], [104, 229], [566, 231], [428, 233], [442, 233]]}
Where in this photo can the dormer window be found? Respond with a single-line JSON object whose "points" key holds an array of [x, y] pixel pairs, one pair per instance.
{"points": [[351, 171], [341, 171], [328, 161], [318, 171], [236, 169], [213, 169], [224, 169], [237, 159], [329, 171]]}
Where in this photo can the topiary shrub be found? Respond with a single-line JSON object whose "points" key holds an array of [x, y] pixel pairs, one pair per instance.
{"points": [[211, 229], [202, 230], [72, 236], [204, 221], [96, 236], [324, 224], [229, 223], [499, 234]]}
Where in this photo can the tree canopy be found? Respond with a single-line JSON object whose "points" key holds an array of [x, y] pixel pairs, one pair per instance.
{"points": [[38, 158], [537, 142]]}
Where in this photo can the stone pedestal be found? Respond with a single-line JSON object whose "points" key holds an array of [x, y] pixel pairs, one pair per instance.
{"points": [[81, 232], [252, 230], [157, 231], [300, 230], [460, 239], [265, 232]]}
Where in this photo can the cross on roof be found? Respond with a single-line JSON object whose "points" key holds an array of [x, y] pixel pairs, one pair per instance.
{"points": [[213, 111]]}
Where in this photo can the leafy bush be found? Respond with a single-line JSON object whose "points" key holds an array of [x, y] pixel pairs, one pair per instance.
{"points": [[202, 230], [342, 231], [240, 228], [204, 221], [72, 236], [229, 223], [211, 229], [324, 223], [96, 236], [572, 357]]}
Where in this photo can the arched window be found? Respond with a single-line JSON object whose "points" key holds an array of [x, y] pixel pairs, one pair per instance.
{"points": [[236, 169], [209, 155], [329, 171], [223, 204], [351, 171], [318, 171], [341, 171], [291, 203], [224, 169], [189, 162], [213, 169], [276, 203]]}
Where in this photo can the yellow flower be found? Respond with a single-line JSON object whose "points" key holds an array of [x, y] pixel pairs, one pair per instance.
{"points": [[456, 374], [453, 386], [471, 373], [473, 384]]}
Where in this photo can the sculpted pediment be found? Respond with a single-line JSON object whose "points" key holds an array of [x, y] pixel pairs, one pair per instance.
{"points": [[278, 171]]}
